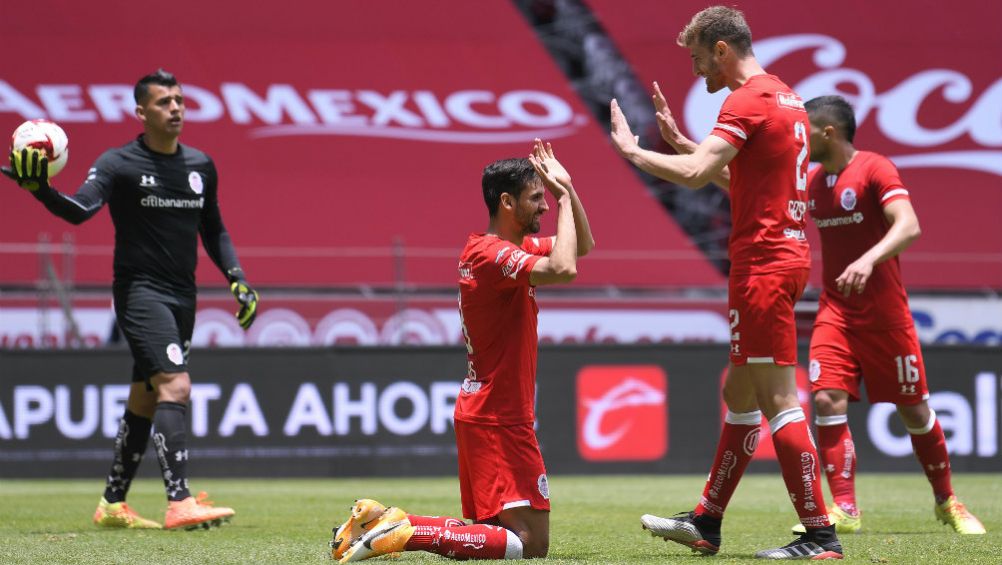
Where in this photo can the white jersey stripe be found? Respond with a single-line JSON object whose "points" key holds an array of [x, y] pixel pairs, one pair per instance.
{"points": [[894, 192], [732, 129], [81, 206]]}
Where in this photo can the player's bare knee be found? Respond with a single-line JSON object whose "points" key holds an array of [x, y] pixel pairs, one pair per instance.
{"points": [[534, 546], [738, 399], [831, 402], [914, 415], [142, 402], [824, 404], [172, 387]]}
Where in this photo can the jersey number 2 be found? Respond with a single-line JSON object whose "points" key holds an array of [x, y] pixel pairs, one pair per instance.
{"points": [[800, 134]]}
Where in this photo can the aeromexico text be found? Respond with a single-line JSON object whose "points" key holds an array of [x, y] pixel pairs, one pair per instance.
{"points": [[474, 115]]}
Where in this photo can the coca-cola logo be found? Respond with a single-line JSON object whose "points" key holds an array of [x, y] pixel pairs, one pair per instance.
{"points": [[622, 413], [895, 111]]}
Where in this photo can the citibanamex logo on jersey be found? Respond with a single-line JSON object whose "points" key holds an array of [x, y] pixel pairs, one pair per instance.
{"points": [[622, 412]]}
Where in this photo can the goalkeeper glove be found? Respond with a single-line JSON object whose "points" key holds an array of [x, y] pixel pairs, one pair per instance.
{"points": [[29, 169], [245, 295]]}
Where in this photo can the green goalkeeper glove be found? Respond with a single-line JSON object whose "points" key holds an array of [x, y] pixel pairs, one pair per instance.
{"points": [[29, 169], [245, 295]]}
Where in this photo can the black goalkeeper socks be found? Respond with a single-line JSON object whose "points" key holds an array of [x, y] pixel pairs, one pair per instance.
{"points": [[130, 444], [170, 439]]}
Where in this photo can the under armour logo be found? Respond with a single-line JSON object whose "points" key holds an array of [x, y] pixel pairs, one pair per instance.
{"points": [[148, 180]]}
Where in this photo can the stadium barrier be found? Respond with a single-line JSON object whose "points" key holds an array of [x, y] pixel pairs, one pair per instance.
{"points": [[388, 411]]}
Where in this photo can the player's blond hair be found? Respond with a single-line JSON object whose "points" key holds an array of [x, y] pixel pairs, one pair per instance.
{"points": [[718, 23]]}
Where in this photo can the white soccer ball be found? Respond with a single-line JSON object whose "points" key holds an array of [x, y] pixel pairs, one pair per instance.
{"points": [[46, 136]]}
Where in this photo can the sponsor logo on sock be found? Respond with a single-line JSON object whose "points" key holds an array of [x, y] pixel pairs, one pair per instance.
{"points": [[466, 538], [727, 463], [808, 468], [750, 444], [715, 508], [849, 452]]}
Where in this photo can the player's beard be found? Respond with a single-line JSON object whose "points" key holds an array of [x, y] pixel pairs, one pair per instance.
{"points": [[713, 78], [528, 220]]}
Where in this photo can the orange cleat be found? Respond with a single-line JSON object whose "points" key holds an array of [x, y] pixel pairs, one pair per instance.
{"points": [[387, 535], [365, 514], [119, 515], [194, 513]]}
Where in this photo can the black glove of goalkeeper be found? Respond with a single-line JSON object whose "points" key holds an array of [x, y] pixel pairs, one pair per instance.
{"points": [[29, 168], [245, 295]]}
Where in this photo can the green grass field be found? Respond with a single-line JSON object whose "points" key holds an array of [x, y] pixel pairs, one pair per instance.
{"points": [[594, 520]]}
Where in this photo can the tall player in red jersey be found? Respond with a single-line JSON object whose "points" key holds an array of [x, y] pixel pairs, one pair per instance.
{"points": [[502, 479], [864, 330], [758, 151]]}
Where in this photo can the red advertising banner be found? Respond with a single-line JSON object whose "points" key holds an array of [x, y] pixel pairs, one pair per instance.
{"points": [[925, 90], [622, 412], [349, 136]]}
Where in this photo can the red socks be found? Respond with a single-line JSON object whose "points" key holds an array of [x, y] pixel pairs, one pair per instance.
{"points": [[798, 460], [738, 440], [838, 453], [839, 456], [474, 541], [929, 444], [440, 521]]}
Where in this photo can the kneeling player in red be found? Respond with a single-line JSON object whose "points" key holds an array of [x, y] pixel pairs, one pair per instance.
{"points": [[502, 478], [864, 333]]}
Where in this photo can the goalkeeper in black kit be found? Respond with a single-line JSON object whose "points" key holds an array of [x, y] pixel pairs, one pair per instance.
{"points": [[161, 195]]}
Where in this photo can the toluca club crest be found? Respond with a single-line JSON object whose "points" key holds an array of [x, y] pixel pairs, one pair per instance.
{"points": [[848, 199]]}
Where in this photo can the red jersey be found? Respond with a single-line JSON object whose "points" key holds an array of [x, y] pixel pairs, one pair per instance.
{"points": [[766, 121], [848, 209], [497, 307]]}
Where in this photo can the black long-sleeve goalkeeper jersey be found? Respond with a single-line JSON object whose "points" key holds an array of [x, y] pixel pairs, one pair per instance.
{"points": [[159, 204]]}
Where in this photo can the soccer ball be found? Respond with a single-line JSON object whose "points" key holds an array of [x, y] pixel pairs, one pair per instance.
{"points": [[46, 136]]}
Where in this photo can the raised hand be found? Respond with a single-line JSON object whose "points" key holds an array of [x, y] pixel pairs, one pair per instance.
{"points": [[666, 120], [622, 136], [552, 168]]}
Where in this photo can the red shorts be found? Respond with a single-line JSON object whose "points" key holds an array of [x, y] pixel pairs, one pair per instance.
{"points": [[763, 329], [500, 467], [889, 362]]}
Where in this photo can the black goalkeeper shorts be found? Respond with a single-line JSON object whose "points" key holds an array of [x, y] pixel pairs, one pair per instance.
{"points": [[157, 324]]}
